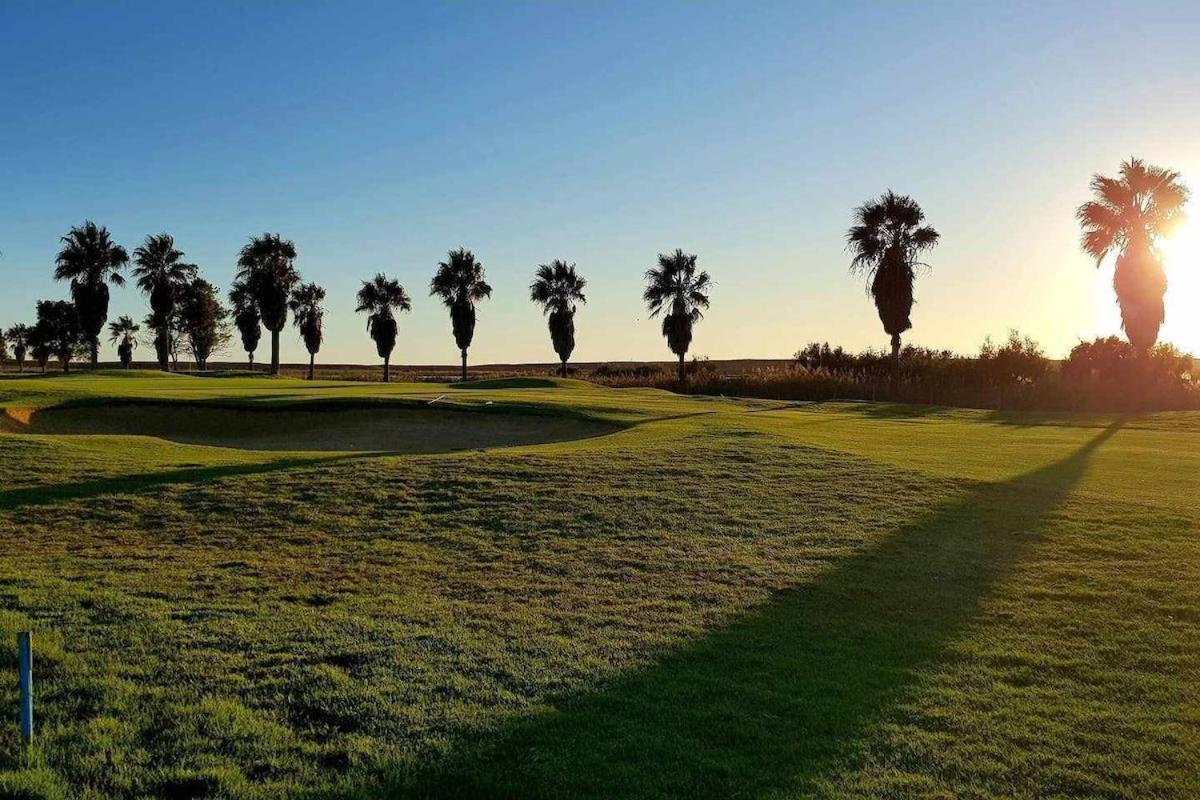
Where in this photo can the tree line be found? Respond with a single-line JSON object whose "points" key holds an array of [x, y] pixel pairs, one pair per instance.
{"points": [[1129, 215]]}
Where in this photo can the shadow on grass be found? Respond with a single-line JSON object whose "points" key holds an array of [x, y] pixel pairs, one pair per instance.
{"points": [[783, 699], [125, 484]]}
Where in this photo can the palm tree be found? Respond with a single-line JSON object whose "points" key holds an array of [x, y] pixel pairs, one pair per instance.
{"points": [[378, 298], [266, 266], [123, 333], [90, 260], [886, 239], [18, 337], [162, 274], [557, 287], [246, 318], [460, 284], [307, 315], [674, 285], [1130, 215]]}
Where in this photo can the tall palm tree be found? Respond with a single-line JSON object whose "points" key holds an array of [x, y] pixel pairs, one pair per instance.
{"points": [[460, 284], [18, 337], [886, 239], [266, 265], [246, 318], [378, 298], [90, 260], [557, 287], [1130, 214], [162, 274], [676, 287], [123, 333], [307, 315]]}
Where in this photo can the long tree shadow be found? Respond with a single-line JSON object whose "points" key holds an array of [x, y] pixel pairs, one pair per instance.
{"points": [[125, 484], [783, 698]]}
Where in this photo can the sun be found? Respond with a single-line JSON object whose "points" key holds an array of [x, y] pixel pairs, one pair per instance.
{"points": [[1181, 257]]}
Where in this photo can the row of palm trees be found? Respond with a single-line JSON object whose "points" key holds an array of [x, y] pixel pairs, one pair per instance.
{"points": [[1129, 215]]}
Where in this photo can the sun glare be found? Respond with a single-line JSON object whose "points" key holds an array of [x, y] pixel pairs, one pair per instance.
{"points": [[1181, 254]]}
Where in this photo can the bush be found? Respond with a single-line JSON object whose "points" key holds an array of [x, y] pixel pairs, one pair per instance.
{"points": [[1104, 375]]}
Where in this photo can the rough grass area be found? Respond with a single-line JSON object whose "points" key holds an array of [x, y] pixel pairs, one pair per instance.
{"points": [[710, 599]]}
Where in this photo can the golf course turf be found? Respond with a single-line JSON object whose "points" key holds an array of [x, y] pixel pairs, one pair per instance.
{"points": [[254, 588]]}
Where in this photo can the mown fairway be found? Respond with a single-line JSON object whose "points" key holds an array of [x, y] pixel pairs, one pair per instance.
{"points": [[607, 593]]}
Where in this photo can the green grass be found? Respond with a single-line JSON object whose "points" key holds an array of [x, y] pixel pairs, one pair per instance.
{"points": [[609, 593]]}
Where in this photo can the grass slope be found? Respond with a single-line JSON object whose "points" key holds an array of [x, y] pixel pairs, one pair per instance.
{"points": [[710, 598]]}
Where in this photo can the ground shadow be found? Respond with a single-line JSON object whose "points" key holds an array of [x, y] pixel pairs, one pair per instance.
{"points": [[125, 484], [782, 699]]}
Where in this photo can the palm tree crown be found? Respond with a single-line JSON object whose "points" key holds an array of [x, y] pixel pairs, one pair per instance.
{"points": [[90, 260], [676, 287], [377, 298], [557, 287], [886, 239], [459, 282], [1129, 215]]}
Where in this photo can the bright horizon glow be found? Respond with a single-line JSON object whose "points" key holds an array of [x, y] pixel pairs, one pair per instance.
{"points": [[602, 134], [1181, 260]]}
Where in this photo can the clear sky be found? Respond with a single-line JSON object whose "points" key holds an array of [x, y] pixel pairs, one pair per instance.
{"points": [[378, 136]]}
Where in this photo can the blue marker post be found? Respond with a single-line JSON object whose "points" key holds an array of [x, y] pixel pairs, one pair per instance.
{"points": [[25, 665]]}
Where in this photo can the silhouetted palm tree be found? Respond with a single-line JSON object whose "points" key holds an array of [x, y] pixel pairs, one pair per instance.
{"points": [[307, 316], [675, 286], [123, 333], [266, 267], [460, 284], [90, 260], [886, 239], [18, 337], [557, 287], [246, 318], [162, 274], [1129, 215], [378, 298]]}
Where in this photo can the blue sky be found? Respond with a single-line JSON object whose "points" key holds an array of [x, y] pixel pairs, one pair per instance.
{"points": [[378, 136]]}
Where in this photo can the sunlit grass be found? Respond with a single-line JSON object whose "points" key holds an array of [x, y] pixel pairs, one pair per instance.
{"points": [[711, 599]]}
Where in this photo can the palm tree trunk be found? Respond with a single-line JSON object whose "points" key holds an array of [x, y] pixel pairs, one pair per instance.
{"points": [[895, 366], [464, 363], [164, 353], [94, 345], [274, 352], [387, 369], [312, 359], [564, 368], [250, 358], [682, 370]]}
